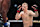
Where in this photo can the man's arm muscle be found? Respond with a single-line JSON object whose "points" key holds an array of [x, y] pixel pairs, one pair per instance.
{"points": [[34, 14]]}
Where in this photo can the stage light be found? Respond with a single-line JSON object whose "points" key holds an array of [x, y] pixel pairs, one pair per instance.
{"points": [[15, 5]]}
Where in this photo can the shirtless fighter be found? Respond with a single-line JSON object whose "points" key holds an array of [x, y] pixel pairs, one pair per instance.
{"points": [[4, 8], [27, 15]]}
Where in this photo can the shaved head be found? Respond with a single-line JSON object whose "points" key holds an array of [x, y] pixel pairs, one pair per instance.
{"points": [[24, 6], [24, 3]]}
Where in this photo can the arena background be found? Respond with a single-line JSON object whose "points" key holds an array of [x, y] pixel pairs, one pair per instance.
{"points": [[13, 10]]}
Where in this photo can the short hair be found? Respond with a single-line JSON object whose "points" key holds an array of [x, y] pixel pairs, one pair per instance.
{"points": [[25, 3]]}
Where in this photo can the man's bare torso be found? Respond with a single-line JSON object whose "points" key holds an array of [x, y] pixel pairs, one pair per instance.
{"points": [[27, 18]]}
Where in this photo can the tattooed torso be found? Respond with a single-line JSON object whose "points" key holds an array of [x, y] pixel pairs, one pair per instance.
{"points": [[27, 19]]}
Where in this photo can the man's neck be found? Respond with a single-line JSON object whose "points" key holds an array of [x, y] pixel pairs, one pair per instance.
{"points": [[25, 11]]}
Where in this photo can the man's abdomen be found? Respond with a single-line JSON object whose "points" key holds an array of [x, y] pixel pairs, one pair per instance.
{"points": [[25, 23]]}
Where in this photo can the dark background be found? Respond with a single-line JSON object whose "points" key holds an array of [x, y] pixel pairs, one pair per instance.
{"points": [[13, 10]]}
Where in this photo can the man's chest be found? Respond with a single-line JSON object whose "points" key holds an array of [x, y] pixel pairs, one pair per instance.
{"points": [[26, 14]]}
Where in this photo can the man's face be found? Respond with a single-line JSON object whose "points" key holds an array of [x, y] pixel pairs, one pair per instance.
{"points": [[24, 6]]}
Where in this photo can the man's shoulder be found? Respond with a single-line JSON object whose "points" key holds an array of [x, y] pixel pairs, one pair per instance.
{"points": [[21, 11]]}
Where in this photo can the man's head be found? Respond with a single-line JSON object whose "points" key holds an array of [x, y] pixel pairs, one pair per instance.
{"points": [[24, 6]]}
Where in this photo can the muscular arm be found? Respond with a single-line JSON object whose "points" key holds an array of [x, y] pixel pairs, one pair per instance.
{"points": [[5, 8], [18, 15], [6, 5], [34, 14]]}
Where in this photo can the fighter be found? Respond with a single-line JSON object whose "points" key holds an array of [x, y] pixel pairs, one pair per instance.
{"points": [[4, 8], [27, 15]]}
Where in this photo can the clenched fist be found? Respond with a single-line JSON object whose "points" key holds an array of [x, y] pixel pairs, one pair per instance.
{"points": [[34, 7]]}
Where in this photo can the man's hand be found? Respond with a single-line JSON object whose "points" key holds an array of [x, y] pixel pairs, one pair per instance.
{"points": [[19, 7], [34, 7], [17, 16]]}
